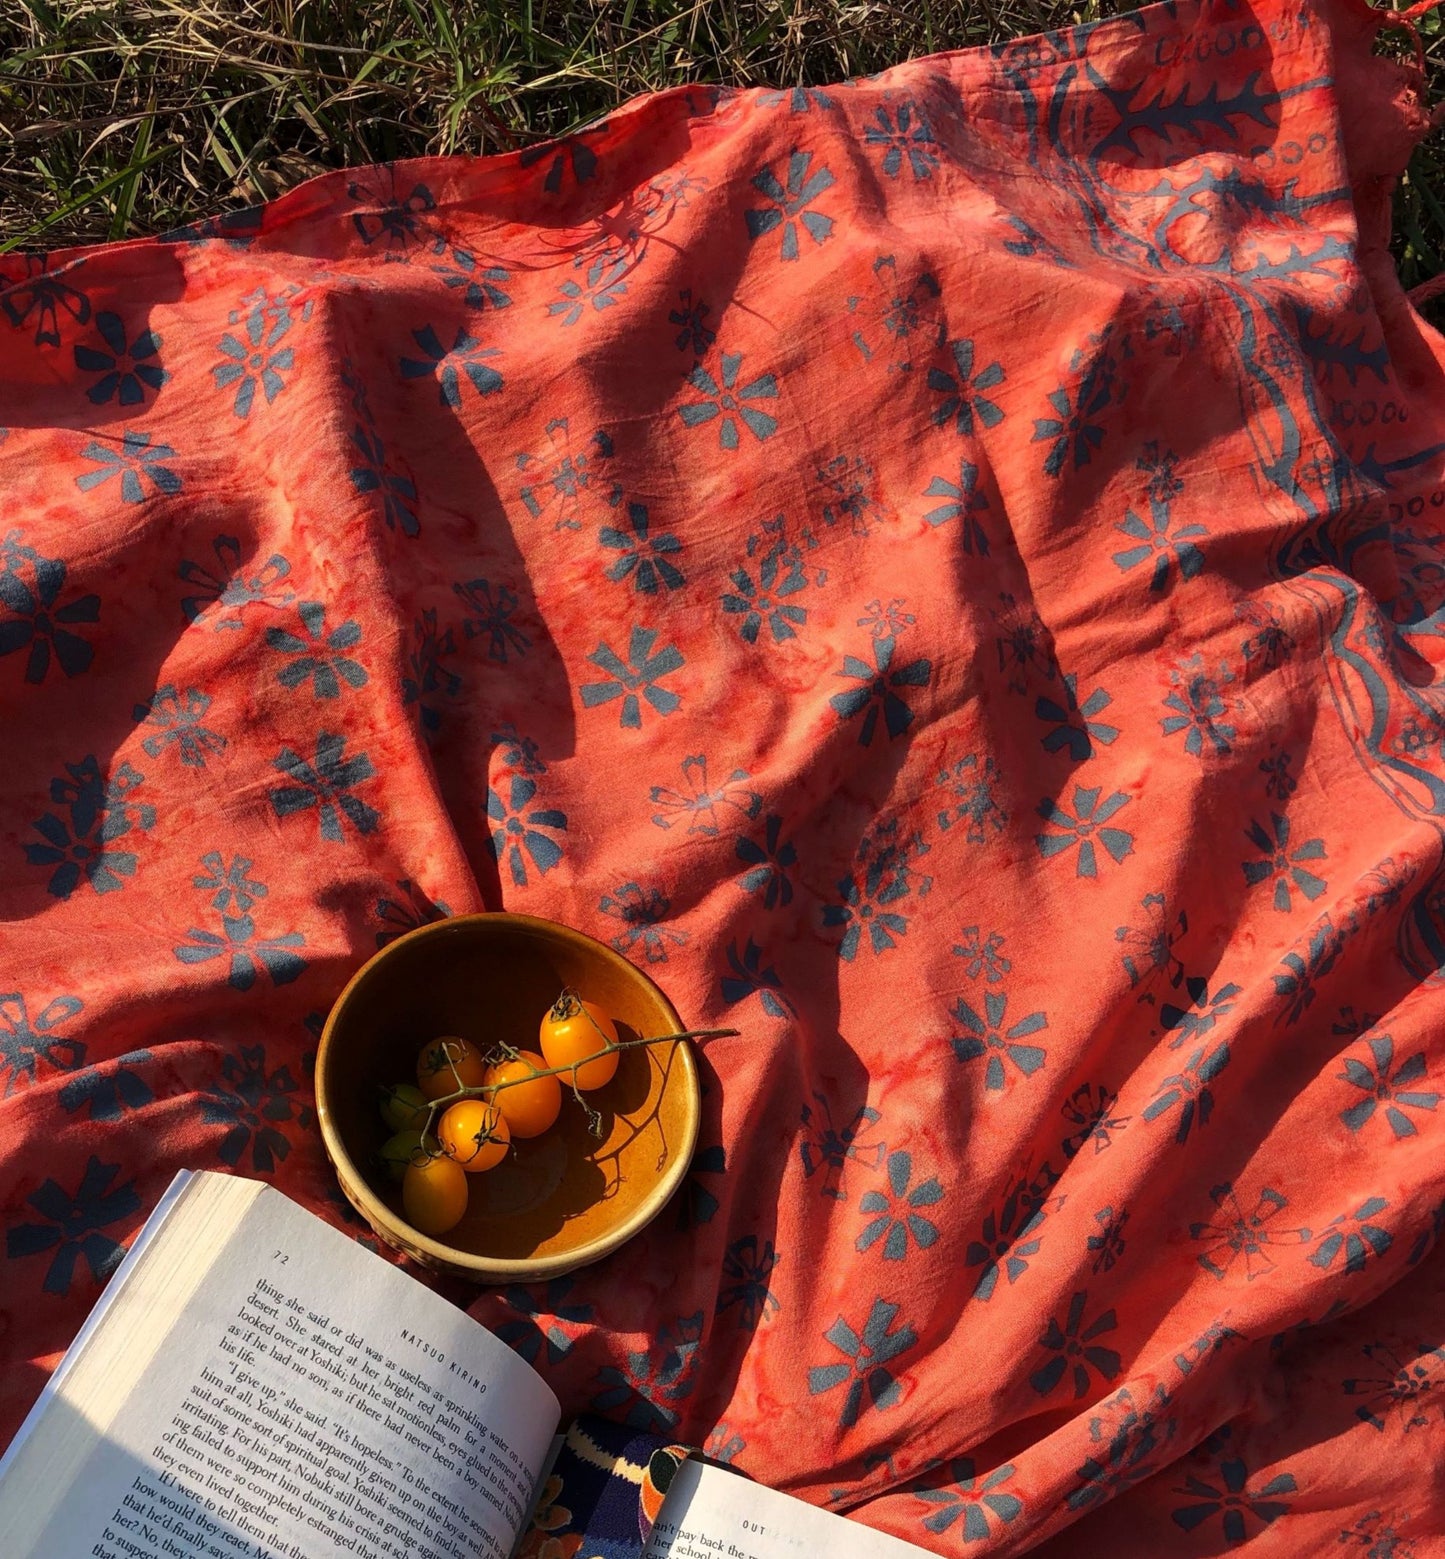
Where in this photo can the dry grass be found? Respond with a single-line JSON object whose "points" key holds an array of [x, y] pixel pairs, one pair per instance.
{"points": [[122, 117]]}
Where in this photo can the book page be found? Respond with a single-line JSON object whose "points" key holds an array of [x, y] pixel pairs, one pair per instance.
{"points": [[713, 1514], [301, 1399]]}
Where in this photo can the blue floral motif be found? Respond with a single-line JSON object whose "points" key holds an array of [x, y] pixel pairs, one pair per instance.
{"points": [[789, 203], [559, 476], [982, 955], [1189, 1089], [895, 1218], [1353, 1236], [1076, 725], [886, 619], [478, 286], [1399, 1388], [316, 652], [127, 370], [518, 752], [490, 612], [135, 457], [878, 690], [1199, 707], [1090, 1111], [641, 673], [1009, 1237], [961, 391], [222, 597], [1156, 543], [747, 1269], [412, 909], [174, 719], [724, 1445], [25, 1041], [101, 812], [515, 829], [109, 1091], [896, 319], [768, 863], [1127, 1435], [694, 334], [1202, 1013], [848, 489], [963, 502], [426, 679], [653, 1384], [696, 1203], [644, 915], [1271, 644], [779, 575], [643, 556], [1386, 1087], [466, 356], [326, 784], [800, 100], [987, 1036], [830, 1148], [1151, 946], [527, 1336], [974, 786], [1235, 1233], [42, 293], [885, 876], [602, 287], [1380, 1536], [230, 882], [252, 1102], [1075, 431], [977, 1501], [256, 360], [233, 889], [400, 221], [699, 801], [730, 402], [73, 1226], [1233, 1500], [1089, 823], [1076, 1348], [376, 475], [751, 977], [870, 1381], [903, 133], [39, 619], [1281, 864]]}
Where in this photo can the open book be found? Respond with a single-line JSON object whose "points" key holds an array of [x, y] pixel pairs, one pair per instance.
{"points": [[254, 1385]]}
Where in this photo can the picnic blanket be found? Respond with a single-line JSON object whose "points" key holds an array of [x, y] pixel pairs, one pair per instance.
{"points": [[945, 572]]}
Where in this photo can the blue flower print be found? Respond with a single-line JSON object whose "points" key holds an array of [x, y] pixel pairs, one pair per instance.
{"points": [[1386, 1087], [25, 1041], [991, 1035], [903, 133], [964, 503], [1127, 1436], [975, 789], [316, 653], [699, 800], [746, 1269], [1202, 1013], [848, 490], [478, 286], [886, 619], [1353, 1236], [1189, 1091], [134, 458], [830, 1148], [1009, 1237], [490, 612], [895, 1218], [327, 785], [402, 221], [126, 371], [39, 620], [789, 203], [1075, 430], [252, 1102], [644, 915], [800, 100], [694, 334], [696, 1203], [1234, 1233], [768, 864], [174, 720], [412, 908], [641, 673], [73, 1226], [870, 1381], [1076, 725], [1298, 984], [1232, 1499], [1281, 864], [646, 558], [723, 1444], [960, 389], [1151, 946], [230, 882], [375, 475], [1076, 1349], [1399, 1388], [731, 402], [751, 977], [983, 955], [426, 679], [527, 1336], [1108, 1246], [878, 691], [765, 599], [108, 1091], [868, 898], [652, 1385], [1090, 1111], [1156, 543], [1199, 706], [222, 597], [602, 287], [1089, 823], [1382, 1537], [1272, 643], [100, 814], [559, 477], [978, 1501], [252, 358], [465, 356], [233, 893], [42, 293], [515, 829]]}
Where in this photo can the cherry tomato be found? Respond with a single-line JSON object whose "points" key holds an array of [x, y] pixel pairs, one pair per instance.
{"points": [[573, 1030], [528, 1108], [434, 1195], [403, 1107], [474, 1135], [403, 1149], [447, 1064]]}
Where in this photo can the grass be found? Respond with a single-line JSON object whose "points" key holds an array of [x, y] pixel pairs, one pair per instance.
{"points": [[126, 117]]}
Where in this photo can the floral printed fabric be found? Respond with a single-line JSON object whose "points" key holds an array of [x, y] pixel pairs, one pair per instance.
{"points": [[943, 570]]}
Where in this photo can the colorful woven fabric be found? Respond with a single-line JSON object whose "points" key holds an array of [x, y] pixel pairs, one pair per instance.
{"points": [[943, 570]]}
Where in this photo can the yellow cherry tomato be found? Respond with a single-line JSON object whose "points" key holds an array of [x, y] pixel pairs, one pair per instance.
{"points": [[403, 1107], [400, 1150], [434, 1195], [447, 1064], [528, 1108], [474, 1135], [572, 1031]]}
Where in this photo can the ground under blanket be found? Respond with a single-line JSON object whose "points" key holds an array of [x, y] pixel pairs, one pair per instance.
{"points": [[944, 571]]}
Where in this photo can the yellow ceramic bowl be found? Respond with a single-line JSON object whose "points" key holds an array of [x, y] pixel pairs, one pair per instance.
{"points": [[560, 1200]]}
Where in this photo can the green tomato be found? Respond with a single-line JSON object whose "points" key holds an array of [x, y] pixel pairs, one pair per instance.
{"points": [[404, 1107], [403, 1149]]}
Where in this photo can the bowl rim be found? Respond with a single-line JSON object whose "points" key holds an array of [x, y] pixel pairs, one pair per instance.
{"points": [[500, 1269]]}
